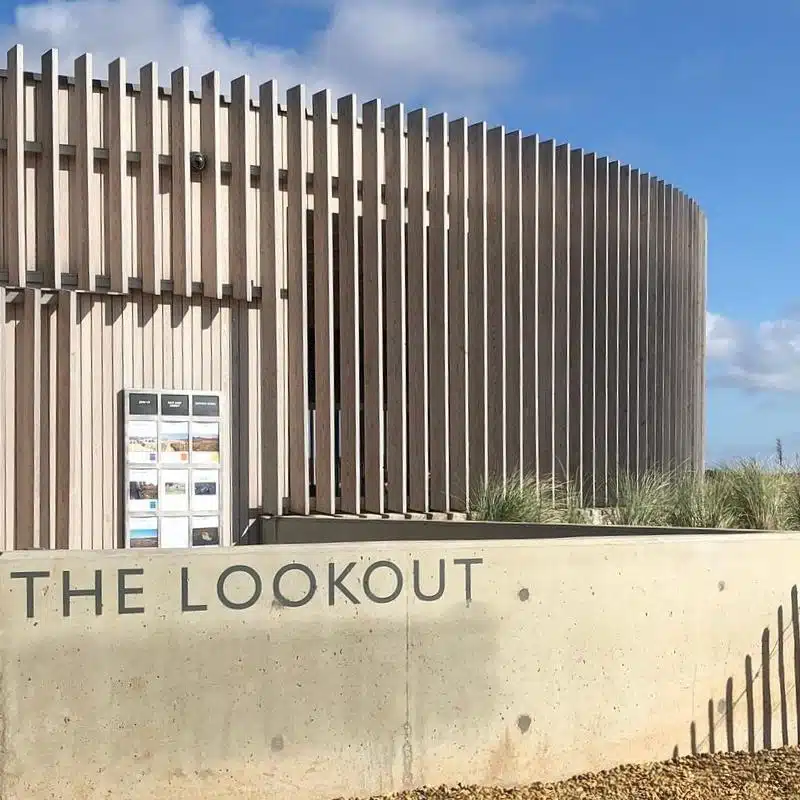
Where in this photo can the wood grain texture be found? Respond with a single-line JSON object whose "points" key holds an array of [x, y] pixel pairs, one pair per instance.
{"points": [[591, 383], [180, 147], [530, 307], [349, 309], [297, 312], [50, 248], [14, 222], [458, 311], [119, 218], [324, 457], [149, 123], [242, 155], [438, 315], [575, 354], [496, 302], [211, 187], [373, 280], [476, 309], [514, 341], [84, 255], [395, 304], [417, 294], [28, 440], [545, 301]]}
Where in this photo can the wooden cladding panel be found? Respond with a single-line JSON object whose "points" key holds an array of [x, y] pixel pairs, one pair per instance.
{"points": [[430, 302]]}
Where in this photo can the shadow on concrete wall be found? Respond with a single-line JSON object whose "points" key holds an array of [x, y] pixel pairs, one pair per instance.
{"points": [[719, 729]]}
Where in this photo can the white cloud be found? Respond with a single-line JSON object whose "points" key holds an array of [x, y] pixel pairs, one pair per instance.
{"points": [[436, 51], [764, 357]]}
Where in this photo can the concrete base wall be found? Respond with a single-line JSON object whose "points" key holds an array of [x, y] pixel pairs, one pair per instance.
{"points": [[313, 671]]}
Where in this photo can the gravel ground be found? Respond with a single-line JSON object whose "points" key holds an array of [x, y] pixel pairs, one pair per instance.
{"points": [[767, 775]]}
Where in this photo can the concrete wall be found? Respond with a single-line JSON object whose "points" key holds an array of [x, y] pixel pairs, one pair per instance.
{"points": [[494, 661]]}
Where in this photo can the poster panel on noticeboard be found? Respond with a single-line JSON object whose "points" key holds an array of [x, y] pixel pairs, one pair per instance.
{"points": [[144, 532]]}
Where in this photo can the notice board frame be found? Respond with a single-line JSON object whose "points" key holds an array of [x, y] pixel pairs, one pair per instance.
{"points": [[188, 408]]}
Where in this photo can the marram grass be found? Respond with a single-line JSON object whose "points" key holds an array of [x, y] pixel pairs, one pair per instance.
{"points": [[745, 495]]}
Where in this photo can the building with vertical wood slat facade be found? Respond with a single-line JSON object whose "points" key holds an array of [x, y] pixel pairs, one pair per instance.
{"points": [[392, 305]]}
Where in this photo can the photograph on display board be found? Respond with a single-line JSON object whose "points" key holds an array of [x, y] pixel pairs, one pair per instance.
{"points": [[143, 490], [205, 442], [205, 490], [142, 442], [174, 532], [174, 442], [174, 490], [144, 532], [205, 531]]}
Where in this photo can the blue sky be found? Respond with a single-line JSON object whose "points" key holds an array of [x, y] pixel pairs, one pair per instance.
{"points": [[703, 94]]}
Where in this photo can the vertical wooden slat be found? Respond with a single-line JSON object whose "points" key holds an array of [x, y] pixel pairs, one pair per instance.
{"points": [[49, 240], [645, 314], [297, 275], [515, 343], [658, 386], [686, 377], [95, 413], [9, 388], [14, 222], [438, 316], [476, 290], [591, 379], [703, 353], [241, 145], [602, 354], [575, 313], [373, 361], [496, 302], [79, 533], [45, 539], [6, 440], [693, 343], [623, 323], [81, 205], [239, 449], [687, 336], [180, 147], [635, 350], [697, 315], [107, 416], [119, 218], [8, 443], [561, 331], [118, 346], [28, 443], [211, 192], [545, 316], [612, 327], [458, 310], [669, 334], [349, 310], [680, 334], [323, 308], [395, 299], [272, 231], [417, 322], [530, 305], [149, 121]]}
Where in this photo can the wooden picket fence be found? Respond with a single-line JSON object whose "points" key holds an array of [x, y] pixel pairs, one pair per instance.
{"points": [[397, 305]]}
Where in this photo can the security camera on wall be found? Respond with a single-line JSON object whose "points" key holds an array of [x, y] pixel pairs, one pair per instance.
{"points": [[197, 161]]}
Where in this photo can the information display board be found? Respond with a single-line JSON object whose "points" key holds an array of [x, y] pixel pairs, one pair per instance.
{"points": [[173, 469]]}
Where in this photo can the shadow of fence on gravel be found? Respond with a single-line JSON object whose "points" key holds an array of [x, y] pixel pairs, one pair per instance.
{"points": [[747, 717]]}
